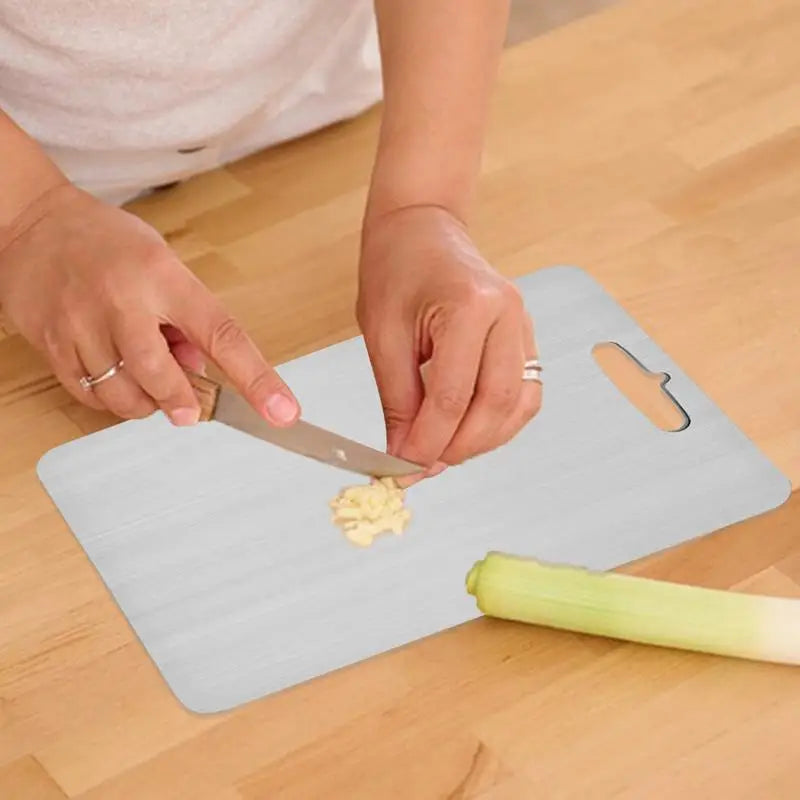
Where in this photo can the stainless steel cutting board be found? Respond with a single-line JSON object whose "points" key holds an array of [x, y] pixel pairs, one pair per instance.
{"points": [[238, 585]]}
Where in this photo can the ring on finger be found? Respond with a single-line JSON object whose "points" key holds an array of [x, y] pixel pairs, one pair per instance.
{"points": [[87, 382], [532, 370]]}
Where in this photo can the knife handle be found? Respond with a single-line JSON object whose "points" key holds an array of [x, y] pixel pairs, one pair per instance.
{"points": [[207, 393]]}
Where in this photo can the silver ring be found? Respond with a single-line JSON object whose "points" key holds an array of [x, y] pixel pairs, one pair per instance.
{"points": [[532, 370], [87, 381]]}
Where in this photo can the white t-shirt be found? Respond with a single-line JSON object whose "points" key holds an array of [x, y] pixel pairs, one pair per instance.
{"points": [[115, 89]]}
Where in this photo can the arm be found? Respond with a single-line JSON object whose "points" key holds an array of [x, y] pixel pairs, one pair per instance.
{"points": [[426, 295], [28, 174], [439, 62], [87, 284]]}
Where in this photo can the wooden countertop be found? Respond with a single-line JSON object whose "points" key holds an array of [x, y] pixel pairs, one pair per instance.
{"points": [[657, 145]]}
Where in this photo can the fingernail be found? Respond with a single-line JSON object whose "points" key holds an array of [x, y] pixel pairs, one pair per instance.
{"points": [[184, 416], [281, 409], [437, 469]]}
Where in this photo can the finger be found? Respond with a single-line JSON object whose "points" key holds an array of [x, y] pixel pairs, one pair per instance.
{"points": [[206, 323], [67, 367], [120, 394], [497, 392], [150, 363], [449, 387], [188, 355], [395, 365], [530, 398]]}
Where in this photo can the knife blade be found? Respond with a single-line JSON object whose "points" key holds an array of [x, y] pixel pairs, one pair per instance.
{"points": [[229, 408]]}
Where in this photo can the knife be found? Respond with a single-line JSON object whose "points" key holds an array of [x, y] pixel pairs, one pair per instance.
{"points": [[229, 408]]}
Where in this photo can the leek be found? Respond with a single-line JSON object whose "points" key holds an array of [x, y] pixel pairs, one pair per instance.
{"points": [[637, 609]]}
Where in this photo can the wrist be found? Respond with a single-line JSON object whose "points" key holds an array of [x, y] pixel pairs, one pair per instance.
{"points": [[409, 177], [37, 207], [383, 232], [391, 218], [28, 174]]}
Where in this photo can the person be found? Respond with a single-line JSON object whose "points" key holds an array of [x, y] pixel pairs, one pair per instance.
{"points": [[100, 101]]}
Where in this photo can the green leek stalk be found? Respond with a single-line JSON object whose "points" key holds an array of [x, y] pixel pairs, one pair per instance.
{"points": [[637, 609]]}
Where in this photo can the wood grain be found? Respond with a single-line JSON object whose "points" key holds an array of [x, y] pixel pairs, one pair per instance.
{"points": [[654, 144], [207, 392], [25, 778]]}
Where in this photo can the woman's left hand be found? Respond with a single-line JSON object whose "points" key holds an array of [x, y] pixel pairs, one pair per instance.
{"points": [[427, 297]]}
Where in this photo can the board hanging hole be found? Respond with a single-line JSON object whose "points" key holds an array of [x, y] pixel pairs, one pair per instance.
{"points": [[645, 390]]}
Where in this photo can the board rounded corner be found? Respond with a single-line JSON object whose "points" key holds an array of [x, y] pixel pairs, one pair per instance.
{"points": [[783, 489], [44, 459], [198, 707]]}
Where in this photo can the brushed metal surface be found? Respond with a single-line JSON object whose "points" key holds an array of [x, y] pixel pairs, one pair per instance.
{"points": [[312, 441], [238, 584]]}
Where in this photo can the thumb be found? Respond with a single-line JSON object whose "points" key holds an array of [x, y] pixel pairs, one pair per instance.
{"points": [[395, 364]]}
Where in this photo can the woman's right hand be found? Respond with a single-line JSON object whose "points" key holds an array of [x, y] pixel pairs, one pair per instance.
{"points": [[88, 284]]}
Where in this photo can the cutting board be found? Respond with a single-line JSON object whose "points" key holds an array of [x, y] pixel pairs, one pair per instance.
{"points": [[220, 552]]}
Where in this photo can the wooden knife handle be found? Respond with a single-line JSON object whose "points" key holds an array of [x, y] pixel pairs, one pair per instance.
{"points": [[207, 393]]}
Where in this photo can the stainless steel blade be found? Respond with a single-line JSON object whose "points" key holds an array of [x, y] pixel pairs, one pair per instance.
{"points": [[311, 441]]}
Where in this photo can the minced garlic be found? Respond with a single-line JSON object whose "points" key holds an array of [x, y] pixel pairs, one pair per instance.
{"points": [[364, 512]]}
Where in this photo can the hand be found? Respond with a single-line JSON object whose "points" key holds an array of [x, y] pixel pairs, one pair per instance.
{"points": [[88, 284], [427, 297]]}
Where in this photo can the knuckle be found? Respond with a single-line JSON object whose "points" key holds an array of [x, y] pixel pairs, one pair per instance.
{"points": [[113, 289], [395, 418], [512, 296], [226, 335], [481, 303], [472, 295], [501, 398], [116, 300], [148, 360], [265, 383], [75, 315], [451, 402], [156, 256]]}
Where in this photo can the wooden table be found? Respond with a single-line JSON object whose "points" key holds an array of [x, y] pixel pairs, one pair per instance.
{"points": [[658, 146]]}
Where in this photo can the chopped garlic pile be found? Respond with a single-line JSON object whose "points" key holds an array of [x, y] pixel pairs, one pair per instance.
{"points": [[364, 512]]}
